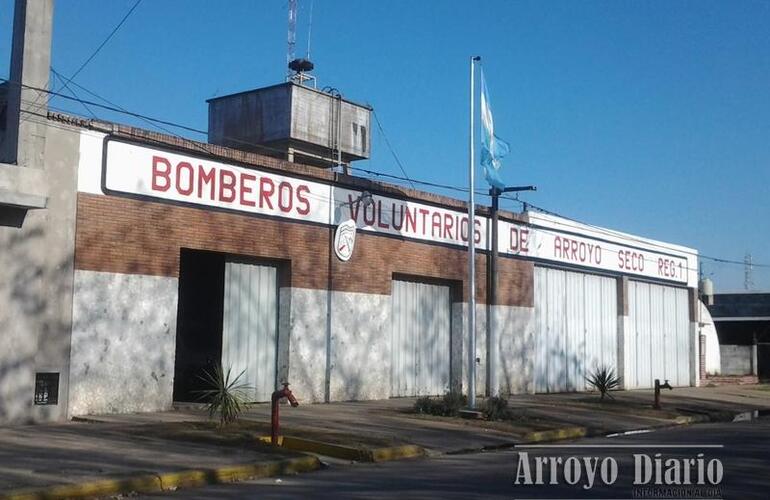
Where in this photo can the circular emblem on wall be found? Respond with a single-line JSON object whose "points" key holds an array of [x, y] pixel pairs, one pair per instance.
{"points": [[345, 239]]}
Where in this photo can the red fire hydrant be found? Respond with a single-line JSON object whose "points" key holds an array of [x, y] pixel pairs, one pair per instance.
{"points": [[275, 417]]}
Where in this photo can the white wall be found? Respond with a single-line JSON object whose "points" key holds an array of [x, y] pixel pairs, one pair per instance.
{"points": [[357, 326], [360, 339], [516, 344], [307, 331], [123, 343], [737, 359], [707, 329]]}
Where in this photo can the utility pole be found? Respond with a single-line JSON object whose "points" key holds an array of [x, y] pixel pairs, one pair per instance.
{"points": [[748, 278], [492, 382]]}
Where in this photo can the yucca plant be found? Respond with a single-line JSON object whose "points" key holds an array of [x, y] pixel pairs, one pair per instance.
{"points": [[604, 380], [227, 396]]}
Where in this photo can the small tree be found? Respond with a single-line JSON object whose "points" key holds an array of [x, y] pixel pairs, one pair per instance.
{"points": [[227, 396], [604, 380]]}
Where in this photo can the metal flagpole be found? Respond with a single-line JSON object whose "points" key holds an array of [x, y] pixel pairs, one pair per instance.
{"points": [[471, 256]]}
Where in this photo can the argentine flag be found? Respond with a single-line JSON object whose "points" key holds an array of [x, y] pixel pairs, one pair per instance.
{"points": [[492, 147]]}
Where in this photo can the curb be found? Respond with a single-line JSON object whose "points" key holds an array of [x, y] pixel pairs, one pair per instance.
{"points": [[567, 433], [349, 453], [555, 434], [153, 483]]}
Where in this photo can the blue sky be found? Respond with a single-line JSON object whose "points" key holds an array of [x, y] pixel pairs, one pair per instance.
{"points": [[647, 117]]}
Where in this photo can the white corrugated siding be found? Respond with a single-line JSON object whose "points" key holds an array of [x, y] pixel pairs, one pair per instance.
{"points": [[420, 341], [658, 344], [576, 321], [250, 326]]}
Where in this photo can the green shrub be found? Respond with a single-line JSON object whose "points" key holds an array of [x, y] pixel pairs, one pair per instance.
{"points": [[227, 396], [452, 403], [495, 408], [425, 405], [448, 406], [604, 380]]}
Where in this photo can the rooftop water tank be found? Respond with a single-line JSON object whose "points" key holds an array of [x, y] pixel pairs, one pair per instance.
{"points": [[292, 121], [706, 288]]}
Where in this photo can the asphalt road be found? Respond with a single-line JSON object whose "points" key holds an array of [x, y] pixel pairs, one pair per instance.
{"points": [[742, 449]]}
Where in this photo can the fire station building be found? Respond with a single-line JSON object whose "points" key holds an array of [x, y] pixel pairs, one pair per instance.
{"points": [[131, 260]]}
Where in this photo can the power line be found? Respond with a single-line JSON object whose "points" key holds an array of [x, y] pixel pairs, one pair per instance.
{"points": [[154, 121], [392, 151], [104, 42], [599, 229], [66, 86]]}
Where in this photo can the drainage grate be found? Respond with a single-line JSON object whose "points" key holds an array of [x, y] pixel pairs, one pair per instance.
{"points": [[46, 388]]}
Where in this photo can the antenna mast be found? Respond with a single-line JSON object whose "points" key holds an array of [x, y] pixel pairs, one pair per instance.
{"points": [[748, 279], [299, 68], [292, 36]]}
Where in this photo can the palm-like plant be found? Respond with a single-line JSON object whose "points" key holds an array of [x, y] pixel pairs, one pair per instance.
{"points": [[227, 396], [603, 379]]}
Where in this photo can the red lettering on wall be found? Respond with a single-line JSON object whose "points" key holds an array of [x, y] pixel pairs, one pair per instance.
{"points": [[184, 175], [400, 224], [285, 197], [370, 216], [226, 186], [424, 212], [464, 229], [411, 219], [631, 261], [244, 189], [520, 239], [266, 191], [380, 223], [435, 225], [449, 223], [159, 174], [668, 268], [303, 207], [206, 179]]}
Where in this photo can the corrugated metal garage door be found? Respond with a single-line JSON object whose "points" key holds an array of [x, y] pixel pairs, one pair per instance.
{"points": [[576, 327], [250, 326], [420, 339], [659, 342]]}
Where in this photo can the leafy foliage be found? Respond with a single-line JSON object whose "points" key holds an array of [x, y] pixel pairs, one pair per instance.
{"points": [[496, 408], [228, 396], [448, 406], [453, 402], [604, 380]]}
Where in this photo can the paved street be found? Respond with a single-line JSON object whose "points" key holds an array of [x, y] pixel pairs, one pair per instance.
{"points": [[745, 456]]}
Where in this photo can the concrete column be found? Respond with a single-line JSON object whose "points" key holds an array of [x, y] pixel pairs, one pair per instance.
{"points": [[24, 140], [623, 332], [694, 303]]}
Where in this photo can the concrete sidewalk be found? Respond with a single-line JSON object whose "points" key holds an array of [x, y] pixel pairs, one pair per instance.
{"points": [[76, 452], [392, 419], [42, 455]]}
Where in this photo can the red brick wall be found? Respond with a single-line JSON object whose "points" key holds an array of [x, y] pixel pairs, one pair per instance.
{"points": [[123, 235]]}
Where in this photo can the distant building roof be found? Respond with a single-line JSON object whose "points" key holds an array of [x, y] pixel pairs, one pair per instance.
{"points": [[745, 306]]}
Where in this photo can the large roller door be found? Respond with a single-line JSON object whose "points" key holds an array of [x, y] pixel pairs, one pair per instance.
{"points": [[250, 326], [576, 327], [420, 342], [659, 341]]}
